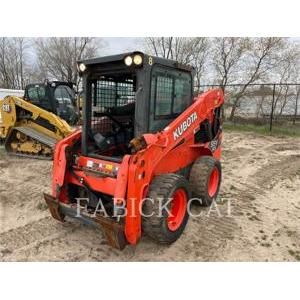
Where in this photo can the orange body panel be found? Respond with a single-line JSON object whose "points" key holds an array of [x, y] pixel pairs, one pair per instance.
{"points": [[167, 152]]}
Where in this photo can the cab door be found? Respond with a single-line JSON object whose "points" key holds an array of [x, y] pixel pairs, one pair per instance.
{"points": [[65, 101], [170, 95], [37, 94]]}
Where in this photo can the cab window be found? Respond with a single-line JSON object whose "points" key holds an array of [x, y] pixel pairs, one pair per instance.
{"points": [[37, 95], [44, 100], [171, 94], [182, 94], [64, 94], [163, 95], [33, 94]]}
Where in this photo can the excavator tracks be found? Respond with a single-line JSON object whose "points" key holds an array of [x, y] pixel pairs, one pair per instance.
{"points": [[28, 142]]}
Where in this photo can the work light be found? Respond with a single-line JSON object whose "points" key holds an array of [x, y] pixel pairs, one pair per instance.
{"points": [[82, 67], [128, 61], [137, 59]]}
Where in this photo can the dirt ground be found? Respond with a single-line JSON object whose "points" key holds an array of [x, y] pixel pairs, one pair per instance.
{"points": [[257, 217]]}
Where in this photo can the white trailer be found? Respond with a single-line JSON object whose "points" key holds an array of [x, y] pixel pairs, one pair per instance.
{"points": [[9, 92]]}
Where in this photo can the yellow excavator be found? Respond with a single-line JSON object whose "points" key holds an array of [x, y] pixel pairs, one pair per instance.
{"points": [[30, 129]]}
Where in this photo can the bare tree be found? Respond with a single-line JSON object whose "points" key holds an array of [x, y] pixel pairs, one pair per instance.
{"points": [[285, 71], [160, 46], [201, 59], [296, 104], [228, 53], [261, 57], [22, 74], [14, 65], [57, 57], [192, 51], [4, 68], [296, 78]]}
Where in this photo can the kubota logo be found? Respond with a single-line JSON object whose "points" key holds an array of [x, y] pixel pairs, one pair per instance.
{"points": [[178, 132]]}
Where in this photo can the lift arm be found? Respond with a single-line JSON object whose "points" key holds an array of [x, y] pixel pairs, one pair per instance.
{"points": [[167, 152]]}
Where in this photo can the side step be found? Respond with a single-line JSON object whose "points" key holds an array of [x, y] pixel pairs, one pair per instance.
{"points": [[114, 232]]}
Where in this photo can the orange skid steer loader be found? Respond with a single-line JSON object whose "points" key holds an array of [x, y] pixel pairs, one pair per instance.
{"points": [[146, 144]]}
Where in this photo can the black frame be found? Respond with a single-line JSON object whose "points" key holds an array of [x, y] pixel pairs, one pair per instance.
{"points": [[172, 115], [115, 64], [50, 87]]}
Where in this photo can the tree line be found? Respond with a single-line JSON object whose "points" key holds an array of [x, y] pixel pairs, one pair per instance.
{"points": [[222, 61], [235, 60], [25, 60]]}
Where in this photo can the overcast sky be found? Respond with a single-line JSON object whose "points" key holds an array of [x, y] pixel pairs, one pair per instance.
{"points": [[118, 45]]}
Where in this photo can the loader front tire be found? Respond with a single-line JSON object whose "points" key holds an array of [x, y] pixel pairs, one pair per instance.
{"points": [[165, 226], [205, 179]]}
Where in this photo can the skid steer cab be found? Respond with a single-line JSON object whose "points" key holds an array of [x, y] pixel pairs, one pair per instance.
{"points": [[147, 146], [57, 97]]}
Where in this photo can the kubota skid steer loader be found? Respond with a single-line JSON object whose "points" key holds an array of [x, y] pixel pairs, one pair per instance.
{"points": [[145, 144]]}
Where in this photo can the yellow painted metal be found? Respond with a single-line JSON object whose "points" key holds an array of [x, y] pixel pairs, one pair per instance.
{"points": [[16, 112]]}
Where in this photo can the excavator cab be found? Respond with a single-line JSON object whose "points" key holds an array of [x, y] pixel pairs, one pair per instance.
{"points": [[54, 96], [128, 95]]}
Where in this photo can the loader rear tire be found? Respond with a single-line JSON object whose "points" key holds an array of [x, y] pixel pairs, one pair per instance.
{"points": [[205, 179], [166, 228]]}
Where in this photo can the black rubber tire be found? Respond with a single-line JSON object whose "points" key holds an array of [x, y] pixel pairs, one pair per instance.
{"points": [[163, 187], [199, 179]]}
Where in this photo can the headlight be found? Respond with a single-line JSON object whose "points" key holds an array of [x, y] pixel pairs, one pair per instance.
{"points": [[82, 67], [128, 61], [137, 59]]}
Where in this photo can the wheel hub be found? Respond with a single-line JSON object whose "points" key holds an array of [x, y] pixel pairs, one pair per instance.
{"points": [[213, 182], [178, 209]]}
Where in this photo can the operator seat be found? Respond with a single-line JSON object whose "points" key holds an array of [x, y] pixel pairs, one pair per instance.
{"points": [[117, 138]]}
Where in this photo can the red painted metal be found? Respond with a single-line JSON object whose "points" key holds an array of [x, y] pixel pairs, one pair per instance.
{"points": [[178, 209], [166, 152], [213, 182], [60, 170]]}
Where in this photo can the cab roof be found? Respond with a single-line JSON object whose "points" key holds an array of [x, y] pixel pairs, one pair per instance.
{"points": [[121, 57], [51, 82]]}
